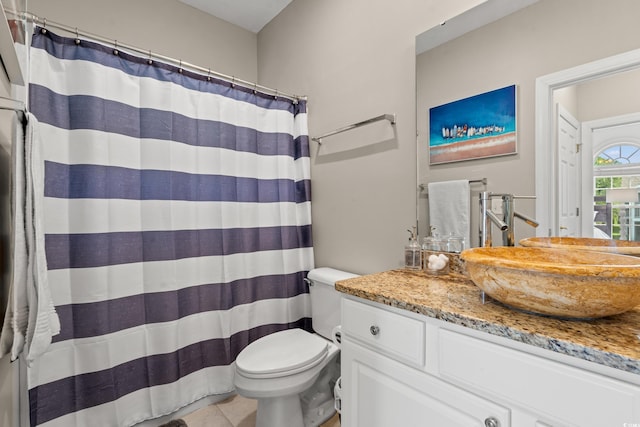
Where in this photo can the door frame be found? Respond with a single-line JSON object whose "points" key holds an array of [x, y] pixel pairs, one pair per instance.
{"points": [[545, 147]]}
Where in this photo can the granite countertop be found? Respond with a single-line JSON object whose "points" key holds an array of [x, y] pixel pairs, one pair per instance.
{"points": [[611, 341]]}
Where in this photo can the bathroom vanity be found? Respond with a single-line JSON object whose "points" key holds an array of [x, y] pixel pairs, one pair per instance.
{"points": [[424, 350]]}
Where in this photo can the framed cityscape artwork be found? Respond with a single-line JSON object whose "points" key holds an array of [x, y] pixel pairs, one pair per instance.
{"points": [[474, 128]]}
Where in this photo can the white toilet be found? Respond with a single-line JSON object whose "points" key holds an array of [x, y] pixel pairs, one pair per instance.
{"points": [[292, 373]]}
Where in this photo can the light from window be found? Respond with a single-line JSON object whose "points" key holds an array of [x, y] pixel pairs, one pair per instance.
{"points": [[623, 154]]}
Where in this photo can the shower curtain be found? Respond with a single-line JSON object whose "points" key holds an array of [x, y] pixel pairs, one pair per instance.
{"points": [[177, 230]]}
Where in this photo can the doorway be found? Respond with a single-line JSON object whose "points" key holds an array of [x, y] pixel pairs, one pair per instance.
{"points": [[615, 146], [545, 148]]}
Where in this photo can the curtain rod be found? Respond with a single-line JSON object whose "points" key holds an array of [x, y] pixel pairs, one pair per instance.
{"points": [[43, 22]]}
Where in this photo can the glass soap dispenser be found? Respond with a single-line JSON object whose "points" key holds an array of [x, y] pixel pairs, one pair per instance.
{"points": [[413, 252]]}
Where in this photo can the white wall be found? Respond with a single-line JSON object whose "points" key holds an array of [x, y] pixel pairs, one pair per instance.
{"points": [[355, 60], [546, 37]]}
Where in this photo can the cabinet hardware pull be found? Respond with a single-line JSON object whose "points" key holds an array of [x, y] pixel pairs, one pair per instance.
{"points": [[491, 422], [374, 330]]}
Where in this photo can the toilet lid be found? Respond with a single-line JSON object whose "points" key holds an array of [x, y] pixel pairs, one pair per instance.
{"points": [[282, 353]]}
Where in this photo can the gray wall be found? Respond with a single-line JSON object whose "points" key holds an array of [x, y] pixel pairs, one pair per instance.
{"points": [[167, 27], [608, 97], [355, 60], [544, 38]]}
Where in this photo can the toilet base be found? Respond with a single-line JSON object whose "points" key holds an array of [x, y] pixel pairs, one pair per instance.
{"points": [[279, 411], [310, 408], [318, 401]]}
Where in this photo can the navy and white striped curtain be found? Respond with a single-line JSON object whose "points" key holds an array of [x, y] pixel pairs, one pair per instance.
{"points": [[177, 230]]}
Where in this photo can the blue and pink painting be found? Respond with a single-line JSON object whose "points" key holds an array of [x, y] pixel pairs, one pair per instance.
{"points": [[473, 128]]}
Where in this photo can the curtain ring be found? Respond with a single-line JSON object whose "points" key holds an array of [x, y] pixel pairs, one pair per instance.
{"points": [[209, 75], [44, 27], [233, 81], [115, 50], [77, 41], [255, 88], [180, 70], [276, 95], [150, 61]]}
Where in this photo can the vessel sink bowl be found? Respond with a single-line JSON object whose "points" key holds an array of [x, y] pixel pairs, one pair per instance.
{"points": [[558, 282], [584, 243]]}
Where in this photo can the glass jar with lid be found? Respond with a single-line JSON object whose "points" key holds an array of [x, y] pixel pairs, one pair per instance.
{"points": [[455, 243]]}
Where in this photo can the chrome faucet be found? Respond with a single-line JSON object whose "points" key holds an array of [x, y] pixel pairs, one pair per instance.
{"points": [[508, 237], [487, 217], [506, 224]]}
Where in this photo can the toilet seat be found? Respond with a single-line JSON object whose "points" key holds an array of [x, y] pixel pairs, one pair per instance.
{"points": [[282, 353]]}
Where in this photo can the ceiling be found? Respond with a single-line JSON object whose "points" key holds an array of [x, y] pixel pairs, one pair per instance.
{"points": [[476, 17], [251, 15]]}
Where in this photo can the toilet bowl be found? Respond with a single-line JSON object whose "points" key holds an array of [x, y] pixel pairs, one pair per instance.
{"points": [[292, 373], [278, 379]]}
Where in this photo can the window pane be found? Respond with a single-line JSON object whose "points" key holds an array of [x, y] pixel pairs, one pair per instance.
{"points": [[618, 154]]}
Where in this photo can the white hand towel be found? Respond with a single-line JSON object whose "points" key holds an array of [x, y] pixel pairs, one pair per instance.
{"points": [[449, 208], [31, 319], [14, 329], [43, 319]]}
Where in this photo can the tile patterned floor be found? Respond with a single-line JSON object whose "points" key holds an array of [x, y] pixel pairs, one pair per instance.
{"points": [[237, 411]]}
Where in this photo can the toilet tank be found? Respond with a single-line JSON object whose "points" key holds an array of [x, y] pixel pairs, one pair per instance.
{"points": [[325, 300]]}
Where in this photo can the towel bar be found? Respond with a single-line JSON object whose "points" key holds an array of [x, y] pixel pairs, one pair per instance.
{"points": [[390, 117], [482, 181]]}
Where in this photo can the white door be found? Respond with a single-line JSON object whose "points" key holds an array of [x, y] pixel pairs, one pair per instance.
{"points": [[569, 174]]}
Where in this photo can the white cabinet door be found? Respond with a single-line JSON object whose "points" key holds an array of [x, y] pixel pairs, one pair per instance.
{"points": [[565, 395], [380, 392]]}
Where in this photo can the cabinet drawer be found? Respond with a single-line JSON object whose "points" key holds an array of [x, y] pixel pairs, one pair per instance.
{"points": [[559, 393], [400, 337]]}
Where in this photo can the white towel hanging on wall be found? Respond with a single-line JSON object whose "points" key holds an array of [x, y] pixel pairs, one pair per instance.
{"points": [[31, 319], [14, 330], [449, 210]]}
